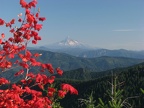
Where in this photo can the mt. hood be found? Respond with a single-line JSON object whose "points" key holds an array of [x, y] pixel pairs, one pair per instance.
{"points": [[78, 49], [65, 44], [69, 43], [68, 46]]}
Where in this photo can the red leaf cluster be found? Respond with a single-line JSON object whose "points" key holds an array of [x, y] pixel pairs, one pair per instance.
{"points": [[2, 21], [59, 71], [69, 88], [23, 95]]}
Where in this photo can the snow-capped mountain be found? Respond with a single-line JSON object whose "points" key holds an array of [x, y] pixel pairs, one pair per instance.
{"points": [[76, 48], [69, 42], [66, 44]]}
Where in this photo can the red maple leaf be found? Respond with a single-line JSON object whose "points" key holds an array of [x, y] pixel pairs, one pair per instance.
{"points": [[2, 21]]}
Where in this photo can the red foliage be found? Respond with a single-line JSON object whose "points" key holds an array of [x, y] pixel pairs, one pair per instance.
{"points": [[12, 21], [59, 71], [19, 72], [42, 18], [69, 88], [17, 95], [62, 93], [2, 21], [3, 81], [2, 35]]}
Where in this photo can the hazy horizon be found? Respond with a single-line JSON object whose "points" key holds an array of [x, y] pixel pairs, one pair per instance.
{"points": [[85, 44]]}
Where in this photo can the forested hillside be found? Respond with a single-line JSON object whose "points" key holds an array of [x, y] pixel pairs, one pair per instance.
{"points": [[67, 62], [132, 80]]}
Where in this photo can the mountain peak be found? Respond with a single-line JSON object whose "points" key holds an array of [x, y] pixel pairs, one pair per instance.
{"points": [[69, 42]]}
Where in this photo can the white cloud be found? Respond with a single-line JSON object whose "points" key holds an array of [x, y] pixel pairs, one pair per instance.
{"points": [[123, 30]]}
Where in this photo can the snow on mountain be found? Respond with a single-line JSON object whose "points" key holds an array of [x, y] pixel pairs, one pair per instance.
{"points": [[69, 42], [68, 46], [66, 43], [76, 48]]}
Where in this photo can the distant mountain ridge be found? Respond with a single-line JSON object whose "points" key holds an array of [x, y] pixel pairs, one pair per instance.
{"points": [[112, 53], [66, 43], [79, 49], [68, 46], [68, 62], [85, 74]]}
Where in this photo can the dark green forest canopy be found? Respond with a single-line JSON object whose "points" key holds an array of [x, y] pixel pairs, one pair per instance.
{"points": [[132, 78]]}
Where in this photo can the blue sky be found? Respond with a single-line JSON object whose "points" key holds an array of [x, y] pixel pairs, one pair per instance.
{"points": [[111, 24]]}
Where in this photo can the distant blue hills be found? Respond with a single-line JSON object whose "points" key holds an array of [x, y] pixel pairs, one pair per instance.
{"points": [[78, 49]]}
